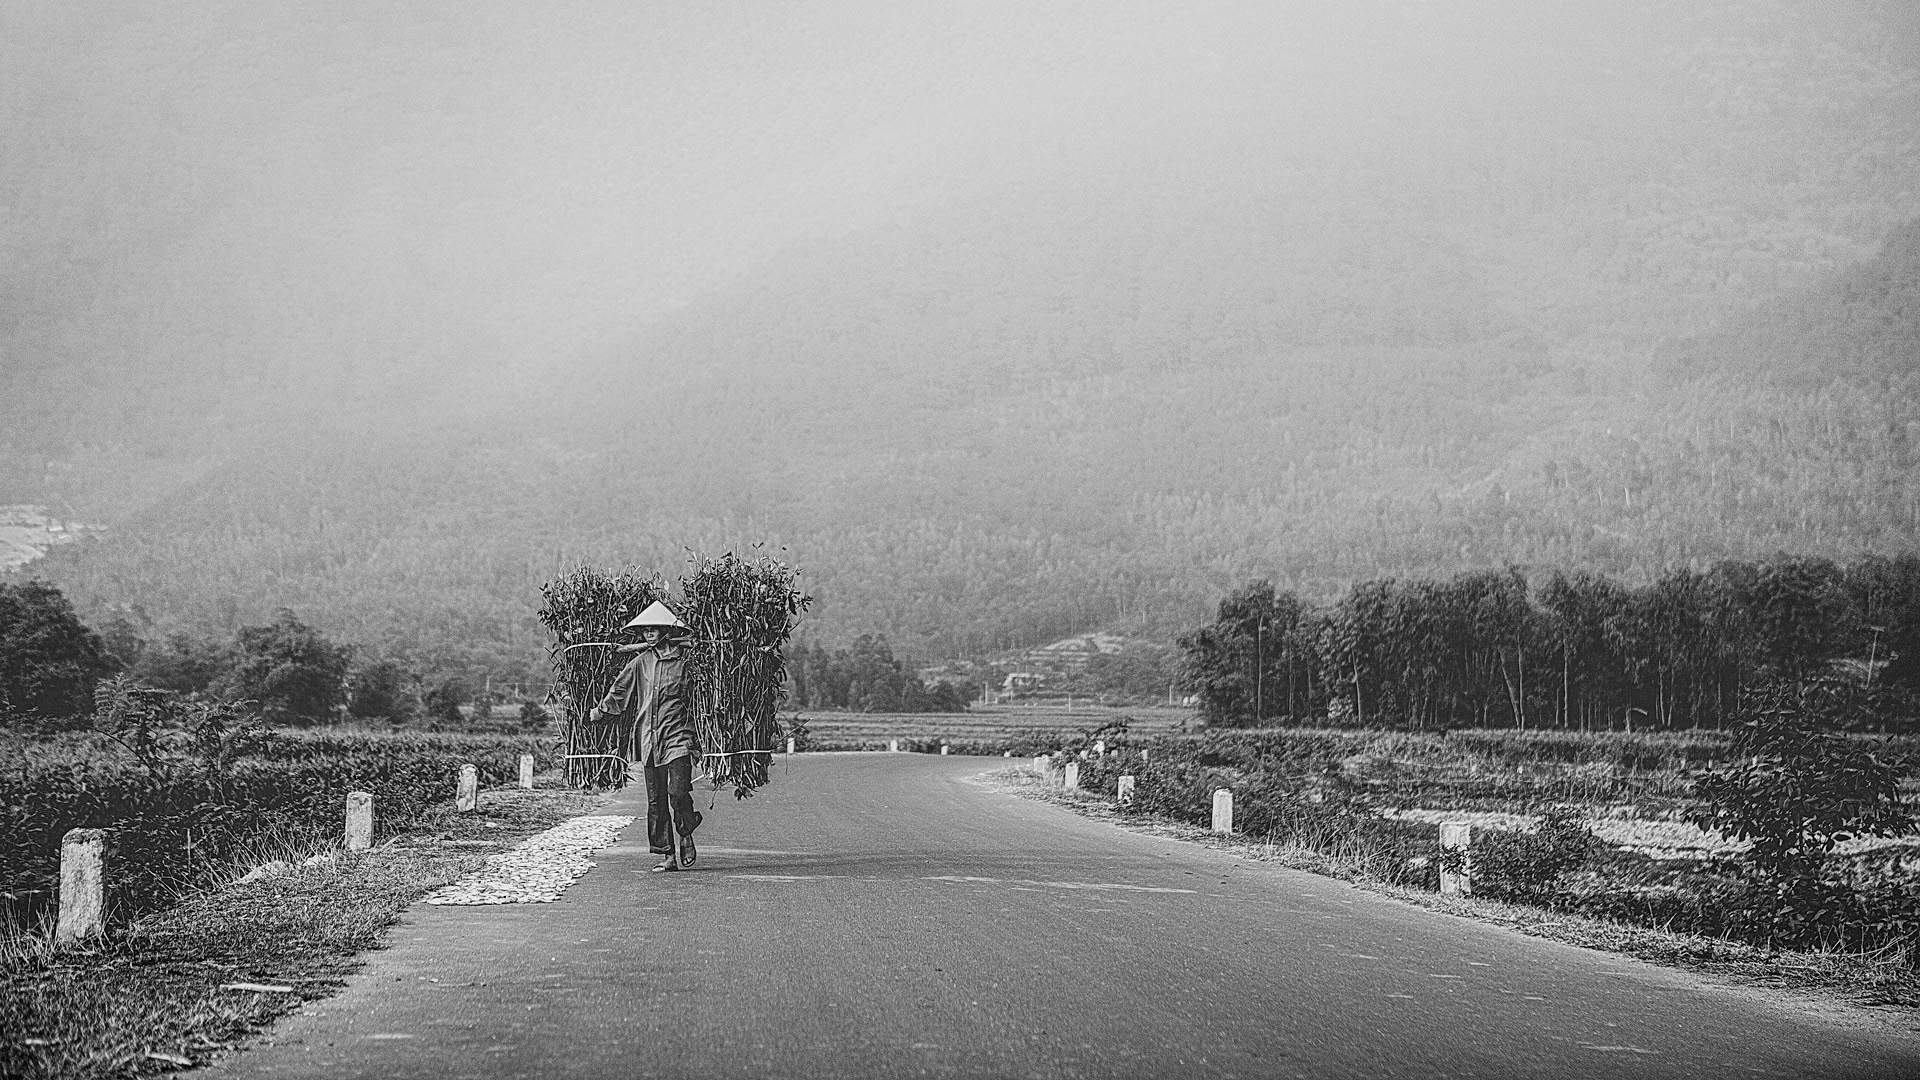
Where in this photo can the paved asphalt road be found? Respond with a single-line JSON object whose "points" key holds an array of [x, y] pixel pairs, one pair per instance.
{"points": [[882, 915]]}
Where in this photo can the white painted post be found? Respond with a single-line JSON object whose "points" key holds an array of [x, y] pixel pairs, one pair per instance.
{"points": [[1072, 779], [1126, 791], [1222, 810], [894, 746], [526, 770], [790, 746], [83, 885], [1143, 753], [943, 749], [1457, 834], [469, 796], [1040, 763], [359, 820]]}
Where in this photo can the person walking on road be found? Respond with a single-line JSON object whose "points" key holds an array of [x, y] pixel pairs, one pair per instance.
{"points": [[653, 686]]}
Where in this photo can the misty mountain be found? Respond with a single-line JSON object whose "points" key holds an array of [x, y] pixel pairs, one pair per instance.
{"points": [[1005, 324]]}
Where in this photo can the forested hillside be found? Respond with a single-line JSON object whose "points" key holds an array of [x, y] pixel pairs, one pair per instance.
{"points": [[1316, 293]]}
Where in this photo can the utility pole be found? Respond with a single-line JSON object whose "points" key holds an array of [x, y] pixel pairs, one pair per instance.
{"points": [[1259, 666]]}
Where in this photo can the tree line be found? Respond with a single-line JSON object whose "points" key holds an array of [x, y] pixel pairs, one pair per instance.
{"points": [[51, 663], [1586, 652], [865, 676]]}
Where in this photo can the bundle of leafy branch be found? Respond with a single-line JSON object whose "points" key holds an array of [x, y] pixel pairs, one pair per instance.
{"points": [[584, 611], [742, 612]]}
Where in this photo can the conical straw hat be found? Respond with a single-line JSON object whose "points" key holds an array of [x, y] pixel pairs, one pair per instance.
{"points": [[657, 614]]}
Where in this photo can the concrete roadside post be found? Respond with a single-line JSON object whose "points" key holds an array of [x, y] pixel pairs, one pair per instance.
{"points": [[469, 796], [1040, 764], [526, 770], [1222, 810], [1457, 835], [943, 749], [893, 747], [359, 820], [1072, 780], [1126, 790], [83, 885], [790, 746]]}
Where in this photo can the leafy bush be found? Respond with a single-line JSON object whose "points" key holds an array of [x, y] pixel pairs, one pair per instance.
{"points": [[1795, 789], [290, 668], [1527, 866], [49, 660]]}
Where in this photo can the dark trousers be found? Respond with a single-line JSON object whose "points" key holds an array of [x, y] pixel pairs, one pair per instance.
{"points": [[669, 786]]}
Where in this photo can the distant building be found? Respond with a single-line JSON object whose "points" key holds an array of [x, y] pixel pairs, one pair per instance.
{"points": [[1022, 680]]}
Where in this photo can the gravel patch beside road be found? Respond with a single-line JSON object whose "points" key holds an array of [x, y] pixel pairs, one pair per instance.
{"points": [[539, 869]]}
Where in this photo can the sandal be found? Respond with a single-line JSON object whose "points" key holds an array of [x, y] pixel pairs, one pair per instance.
{"points": [[666, 865]]}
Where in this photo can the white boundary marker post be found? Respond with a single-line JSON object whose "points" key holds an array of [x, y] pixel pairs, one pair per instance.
{"points": [[790, 746], [893, 747], [83, 885], [1073, 775], [359, 820], [526, 770], [469, 796], [943, 749], [1126, 791], [1222, 810], [1457, 834]]}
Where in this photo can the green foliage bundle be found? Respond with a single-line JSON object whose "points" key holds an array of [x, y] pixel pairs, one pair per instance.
{"points": [[583, 612], [741, 612]]}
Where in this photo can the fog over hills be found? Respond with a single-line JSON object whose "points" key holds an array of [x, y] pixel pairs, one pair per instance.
{"points": [[1006, 323]]}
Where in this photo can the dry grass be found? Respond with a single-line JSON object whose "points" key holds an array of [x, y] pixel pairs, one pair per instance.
{"points": [[149, 999]]}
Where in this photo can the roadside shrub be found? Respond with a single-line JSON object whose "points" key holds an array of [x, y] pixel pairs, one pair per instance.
{"points": [[1795, 789], [1526, 866], [202, 783]]}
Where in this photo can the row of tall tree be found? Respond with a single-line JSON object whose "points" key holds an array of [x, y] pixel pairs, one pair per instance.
{"points": [[1491, 649]]}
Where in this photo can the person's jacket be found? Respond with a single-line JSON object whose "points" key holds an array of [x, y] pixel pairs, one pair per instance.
{"points": [[653, 688]]}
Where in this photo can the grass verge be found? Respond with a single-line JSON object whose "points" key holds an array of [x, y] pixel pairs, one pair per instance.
{"points": [[161, 994], [1854, 979]]}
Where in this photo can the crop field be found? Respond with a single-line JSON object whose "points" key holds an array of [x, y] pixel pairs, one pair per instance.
{"points": [[179, 815], [1599, 824], [988, 729]]}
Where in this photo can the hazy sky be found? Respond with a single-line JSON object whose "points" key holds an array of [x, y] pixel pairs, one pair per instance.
{"points": [[348, 187]]}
